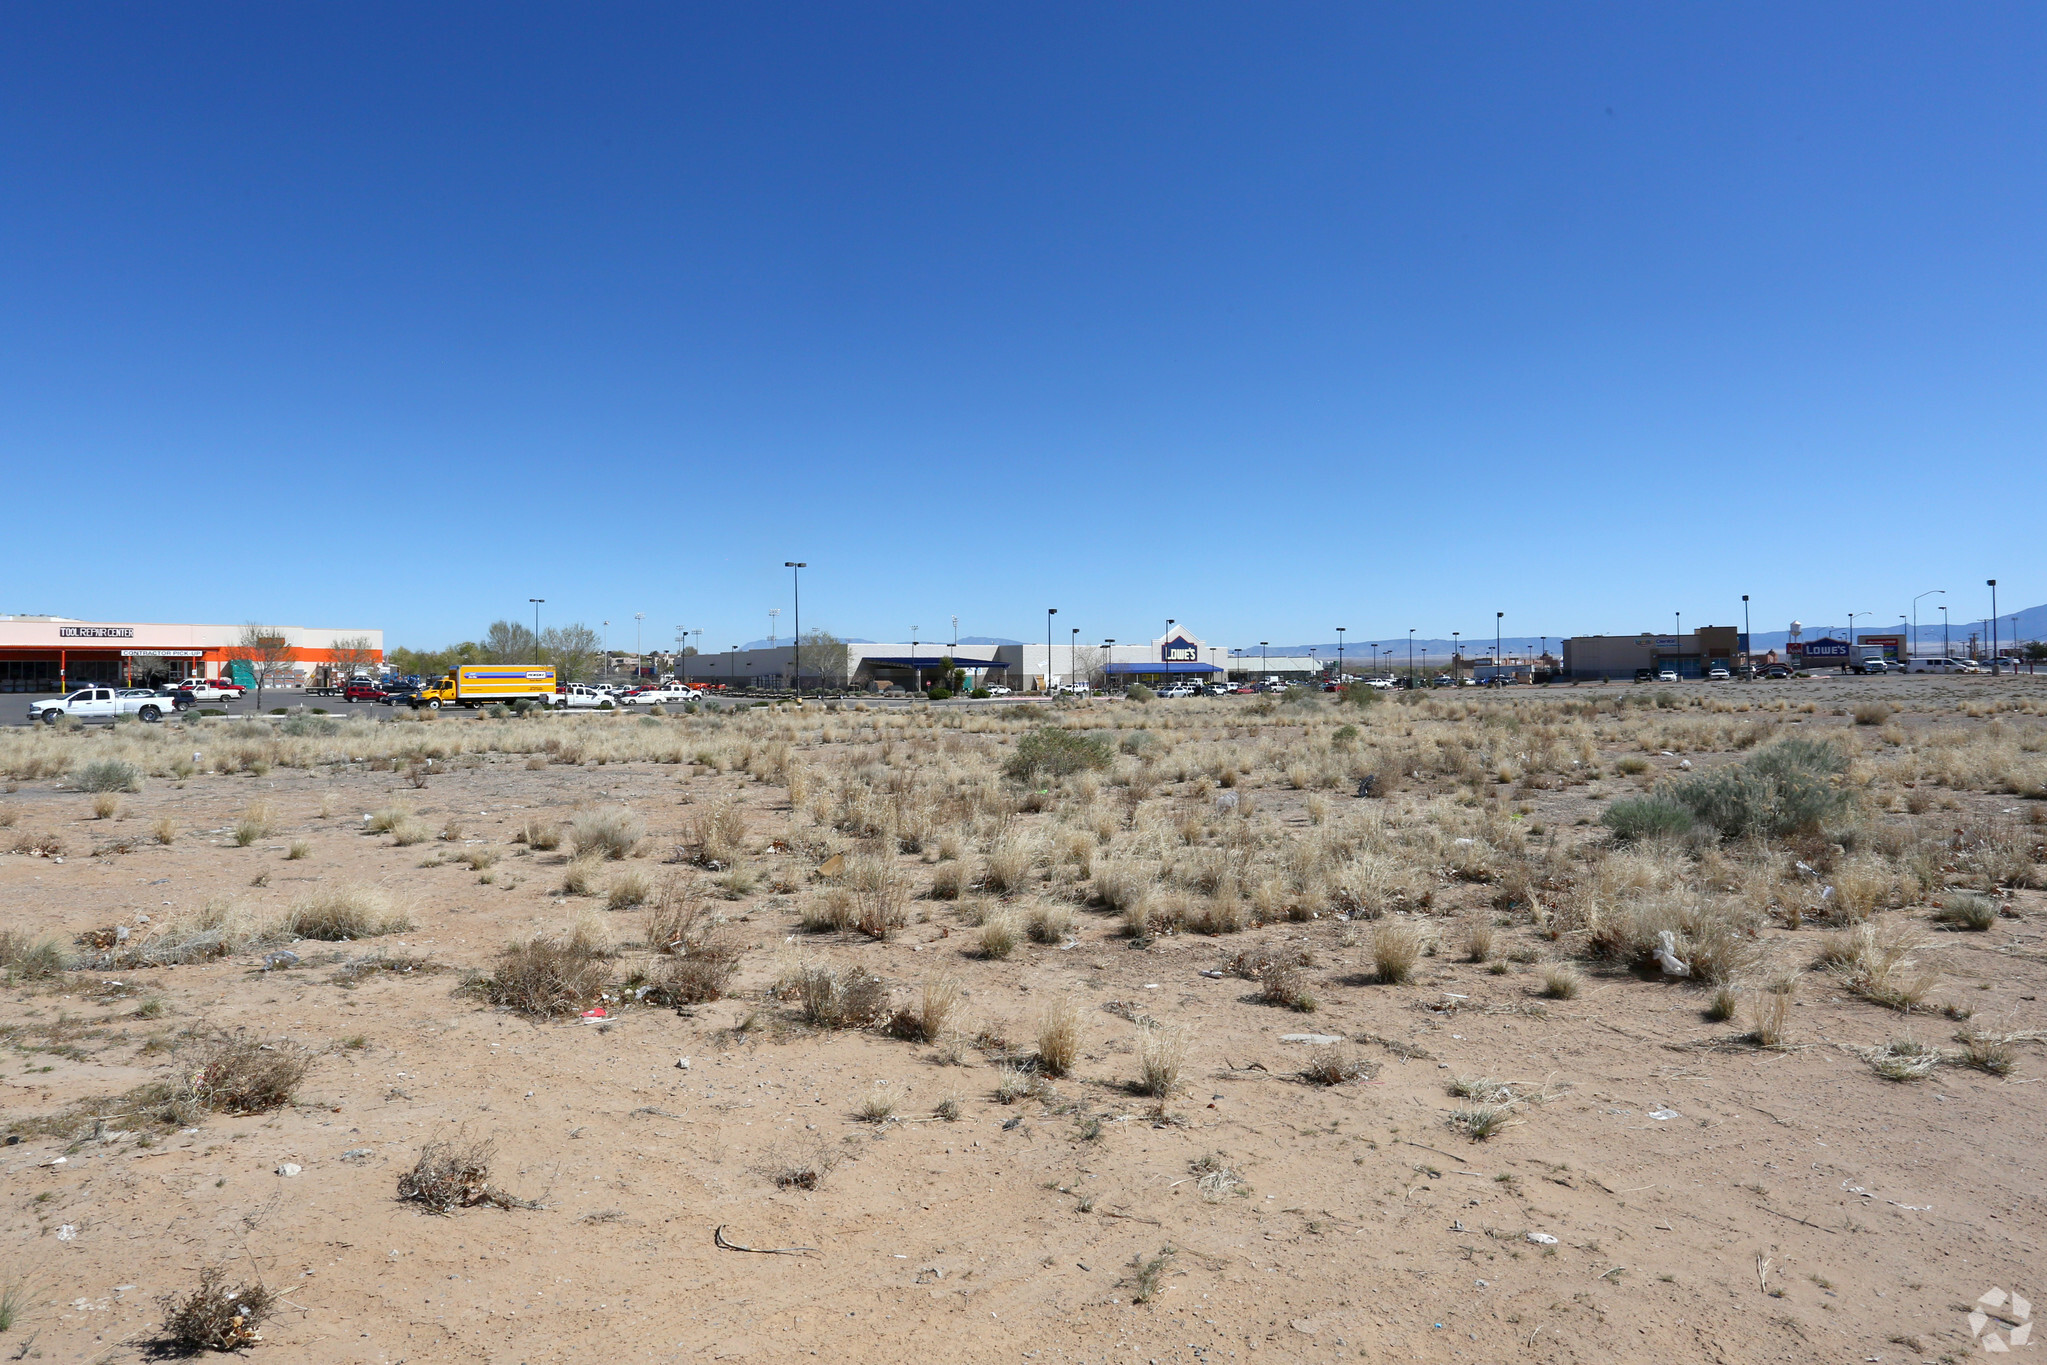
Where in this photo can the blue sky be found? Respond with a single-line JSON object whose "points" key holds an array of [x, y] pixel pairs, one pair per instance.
{"points": [[1267, 318]]}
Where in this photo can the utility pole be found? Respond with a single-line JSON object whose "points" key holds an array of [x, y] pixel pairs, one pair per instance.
{"points": [[1050, 612]]}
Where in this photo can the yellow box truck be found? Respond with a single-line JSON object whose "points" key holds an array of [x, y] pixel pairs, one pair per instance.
{"points": [[488, 684]]}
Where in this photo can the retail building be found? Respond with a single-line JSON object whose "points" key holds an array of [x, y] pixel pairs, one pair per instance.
{"points": [[41, 654]]}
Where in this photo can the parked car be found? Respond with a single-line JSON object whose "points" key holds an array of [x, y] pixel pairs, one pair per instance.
{"points": [[361, 689], [1000, 691], [1717, 673], [1667, 675], [1181, 690], [399, 694], [658, 696], [1777, 671], [582, 696], [212, 689], [104, 703]]}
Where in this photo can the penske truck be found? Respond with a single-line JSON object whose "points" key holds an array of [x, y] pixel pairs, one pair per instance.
{"points": [[487, 685]]}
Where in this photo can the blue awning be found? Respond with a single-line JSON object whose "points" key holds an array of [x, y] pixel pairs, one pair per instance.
{"points": [[1165, 666]]}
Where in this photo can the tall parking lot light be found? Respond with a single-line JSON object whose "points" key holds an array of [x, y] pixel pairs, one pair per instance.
{"points": [[796, 568], [536, 601], [1993, 623], [1930, 592]]}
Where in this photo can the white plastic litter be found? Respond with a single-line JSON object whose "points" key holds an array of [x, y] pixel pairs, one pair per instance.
{"points": [[1667, 956], [1225, 802], [1213, 975], [1542, 1239], [1315, 1039], [67, 1232], [1663, 1115]]}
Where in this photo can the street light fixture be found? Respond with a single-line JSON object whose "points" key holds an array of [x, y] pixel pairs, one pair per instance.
{"points": [[1410, 657], [1073, 653], [1050, 612], [1944, 646], [796, 568], [1930, 592], [1745, 649], [1498, 616], [1339, 656], [1993, 623]]}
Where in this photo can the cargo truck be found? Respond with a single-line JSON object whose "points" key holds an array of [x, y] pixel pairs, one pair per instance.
{"points": [[487, 685]]}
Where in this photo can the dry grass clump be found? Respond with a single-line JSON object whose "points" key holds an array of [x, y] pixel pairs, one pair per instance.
{"points": [[832, 998], [949, 881], [456, 1175], [1903, 1059], [1561, 981], [926, 1021], [798, 1166], [1992, 1052], [998, 937], [108, 775], [1336, 1064], [1478, 941], [612, 834], [1873, 713], [215, 1317], [716, 832], [217, 929], [1481, 1121], [539, 834], [881, 897], [1770, 1013], [1966, 910], [582, 876], [1879, 964], [1059, 1037], [1007, 867], [337, 914], [1283, 983], [702, 957], [628, 889], [878, 1105], [255, 823], [1161, 1057], [105, 806], [1215, 1178], [548, 976], [1049, 924], [24, 958], [1716, 939], [1396, 947], [239, 1075], [165, 830]]}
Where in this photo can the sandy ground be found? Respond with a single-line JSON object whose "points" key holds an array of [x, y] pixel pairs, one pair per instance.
{"points": [[1709, 1200]]}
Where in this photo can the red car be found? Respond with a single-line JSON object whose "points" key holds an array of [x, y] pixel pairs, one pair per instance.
{"points": [[363, 691]]}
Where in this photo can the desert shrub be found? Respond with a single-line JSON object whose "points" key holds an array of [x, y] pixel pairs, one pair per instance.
{"points": [[881, 897], [108, 775], [456, 1175], [716, 830], [580, 877], [345, 912], [1478, 940], [214, 1317], [255, 823], [699, 975], [1716, 939], [798, 1166], [540, 834], [241, 1075], [1881, 965], [1223, 913], [1008, 866], [1873, 713], [1283, 983], [1904, 1059], [546, 977], [1059, 1037], [948, 881], [835, 999], [1056, 752], [1655, 816], [1787, 788], [1139, 692], [1481, 1121], [628, 889], [105, 806], [611, 833]]}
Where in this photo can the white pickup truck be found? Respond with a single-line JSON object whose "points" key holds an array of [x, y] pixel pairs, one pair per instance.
{"points": [[105, 703], [663, 696], [583, 696]]}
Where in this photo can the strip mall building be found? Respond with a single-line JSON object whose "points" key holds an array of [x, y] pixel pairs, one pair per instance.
{"points": [[54, 654]]}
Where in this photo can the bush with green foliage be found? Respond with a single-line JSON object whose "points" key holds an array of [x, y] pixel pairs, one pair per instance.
{"points": [[1139, 692], [1656, 816], [1789, 788], [108, 775], [1056, 752], [939, 693]]}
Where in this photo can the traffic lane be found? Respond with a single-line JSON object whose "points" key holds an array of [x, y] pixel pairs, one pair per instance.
{"points": [[14, 707]]}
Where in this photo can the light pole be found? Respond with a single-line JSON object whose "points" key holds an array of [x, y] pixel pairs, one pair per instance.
{"points": [[1993, 623], [1339, 656], [955, 635], [638, 617], [1456, 650], [1498, 656], [1073, 653], [1263, 667], [1410, 658], [796, 568], [1745, 660], [1943, 634], [1050, 612], [536, 601], [604, 642], [732, 668], [1851, 635], [1108, 656]]}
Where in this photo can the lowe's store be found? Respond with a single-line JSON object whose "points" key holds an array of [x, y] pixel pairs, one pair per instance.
{"points": [[48, 654]]}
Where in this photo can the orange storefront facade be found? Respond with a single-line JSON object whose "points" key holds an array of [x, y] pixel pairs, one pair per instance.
{"points": [[45, 654]]}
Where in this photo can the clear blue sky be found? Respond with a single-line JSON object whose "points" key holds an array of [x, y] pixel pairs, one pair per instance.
{"points": [[1269, 318]]}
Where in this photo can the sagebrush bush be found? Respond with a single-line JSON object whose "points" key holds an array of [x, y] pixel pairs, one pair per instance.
{"points": [[345, 912], [108, 775], [609, 833], [547, 977], [1056, 752], [1656, 816]]}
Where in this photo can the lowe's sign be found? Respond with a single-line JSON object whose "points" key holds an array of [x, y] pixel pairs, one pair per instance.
{"points": [[1828, 650]]}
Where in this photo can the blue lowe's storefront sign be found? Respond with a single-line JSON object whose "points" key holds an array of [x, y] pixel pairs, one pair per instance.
{"points": [[1828, 650]]}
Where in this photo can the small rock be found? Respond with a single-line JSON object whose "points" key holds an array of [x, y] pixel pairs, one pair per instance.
{"points": [[288, 1169], [1542, 1239], [357, 1154], [682, 1063]]}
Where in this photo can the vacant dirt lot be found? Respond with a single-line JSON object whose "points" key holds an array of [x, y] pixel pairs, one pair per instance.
{"points": [[1072, 1115]]}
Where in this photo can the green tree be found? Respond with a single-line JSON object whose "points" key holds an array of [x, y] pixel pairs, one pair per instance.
{"points": [[821, 659], [508, 642], [572, 649]]}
